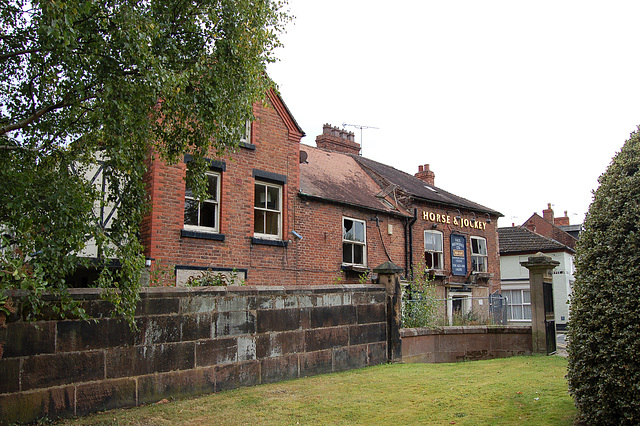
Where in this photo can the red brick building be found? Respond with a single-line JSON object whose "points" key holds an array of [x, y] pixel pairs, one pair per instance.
{"points": [[283, 213]]}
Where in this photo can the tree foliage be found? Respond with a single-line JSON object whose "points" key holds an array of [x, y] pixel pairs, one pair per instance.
{"points": [[114, 80], [604, 328]]}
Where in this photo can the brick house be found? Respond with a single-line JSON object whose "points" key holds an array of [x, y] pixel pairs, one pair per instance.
{"points": [[284, 213]]}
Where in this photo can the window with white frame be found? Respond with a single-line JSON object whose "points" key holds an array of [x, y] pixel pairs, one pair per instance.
{"points": [[246, 136], [267, 212], [354, 242], [433, 255], [479, 258], [518, 304], [204, 213]]}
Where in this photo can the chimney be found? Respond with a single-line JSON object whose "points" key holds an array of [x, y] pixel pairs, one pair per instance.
{"points": [[425, 174], [562, 221], [335, 139], [548, 213]]}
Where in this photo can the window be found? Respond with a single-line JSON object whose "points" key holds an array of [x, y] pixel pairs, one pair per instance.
{"points": [[206, 213], [354, 242], [518, 304], [433, 250], [479, 259], [267, 213]]}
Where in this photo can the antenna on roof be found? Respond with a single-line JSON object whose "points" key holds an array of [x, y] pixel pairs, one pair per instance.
{"points": [[359, 126]]}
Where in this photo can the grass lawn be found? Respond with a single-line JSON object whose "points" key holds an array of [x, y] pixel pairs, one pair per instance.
{"points": [[518, 390]]}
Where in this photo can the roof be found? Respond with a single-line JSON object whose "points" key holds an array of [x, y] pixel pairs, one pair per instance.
{"points": [[519, 239], [337, 177], [417, 188]]}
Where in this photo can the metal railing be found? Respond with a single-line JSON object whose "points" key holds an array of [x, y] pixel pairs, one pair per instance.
{"points": [[455, 311]]}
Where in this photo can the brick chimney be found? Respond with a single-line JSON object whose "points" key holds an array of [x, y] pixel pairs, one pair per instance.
{"points": [[335, 139], [425, 174], [562, 221], [547, 214]]}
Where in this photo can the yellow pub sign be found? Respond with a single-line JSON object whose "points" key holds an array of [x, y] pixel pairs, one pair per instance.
{"points": [[462, 222]]}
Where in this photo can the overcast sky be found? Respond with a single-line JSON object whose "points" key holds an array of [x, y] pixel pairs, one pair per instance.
{"points": [[514, 104]]}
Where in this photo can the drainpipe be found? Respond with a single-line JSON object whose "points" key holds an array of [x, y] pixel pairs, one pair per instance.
{"points": [[408, 243]]}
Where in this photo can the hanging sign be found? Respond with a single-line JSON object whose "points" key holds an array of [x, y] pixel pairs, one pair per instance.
{"points": [[458, 255]]}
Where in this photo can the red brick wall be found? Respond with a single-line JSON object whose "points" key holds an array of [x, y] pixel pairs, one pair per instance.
{"points": [[464, 227], [319, 253], [277, 151]]}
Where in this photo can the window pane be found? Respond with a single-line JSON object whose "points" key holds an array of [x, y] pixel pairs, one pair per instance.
{"points": [[208, 215], [190, 212], [212, 187], [482, 246], [271, 223], [273, 198], [437, 257], [517, 311], [516, 298], [358, 231], [260, 198], [428, 259], [527, 312], [358, 254], [258, 221], [347, 254], [526, 296], [429, 241], [347, 229]]}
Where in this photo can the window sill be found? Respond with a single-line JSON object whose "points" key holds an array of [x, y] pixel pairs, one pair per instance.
{"points": [[359, 269], [185, 233], [247, 145], [437, 272], [266, 242]]}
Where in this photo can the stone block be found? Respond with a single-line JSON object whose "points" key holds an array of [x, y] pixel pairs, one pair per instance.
{"points": [[43, 371], [176, 384], [216, 351], [368, 333], [158, 329], [232, 376], [29, 407], [235, 323], [198, 304], [158, 306], [332, 316], [246, 348], [312, 363], [25, 339], [418, 345], [326, 338], [141, 360], [369, 297], [280, 368], [272, 320], [105, 395], [277, 344], [350, 357], [196, 327], [9, 375], [371, 313], [238, 303], [78, 335], [377, 353]]}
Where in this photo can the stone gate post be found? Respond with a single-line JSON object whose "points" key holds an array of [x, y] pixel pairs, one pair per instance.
{"points": [[540, 267], [388, 274]]}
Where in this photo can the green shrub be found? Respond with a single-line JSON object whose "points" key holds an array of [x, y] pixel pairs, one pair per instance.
{"points": [[604, 328], [420, 305]]}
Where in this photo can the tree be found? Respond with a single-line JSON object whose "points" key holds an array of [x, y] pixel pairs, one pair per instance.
{"points": [[114, 80], [604, 328]]}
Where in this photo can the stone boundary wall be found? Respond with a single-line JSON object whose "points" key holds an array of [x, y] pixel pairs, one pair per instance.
{"points": [[465, 343], [190, 341]]}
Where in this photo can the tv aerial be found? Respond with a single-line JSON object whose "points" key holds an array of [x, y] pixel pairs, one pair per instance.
{"points": [[361, 127]]}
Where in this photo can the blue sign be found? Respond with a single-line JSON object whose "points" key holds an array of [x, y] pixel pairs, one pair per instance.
{"points": [[458, 255]]}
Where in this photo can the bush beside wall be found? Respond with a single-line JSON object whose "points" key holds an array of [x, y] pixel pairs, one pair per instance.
{"points": [[189, 341]]}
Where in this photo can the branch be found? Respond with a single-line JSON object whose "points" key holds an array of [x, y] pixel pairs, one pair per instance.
{"points": [[7, 56], [67, 101]]}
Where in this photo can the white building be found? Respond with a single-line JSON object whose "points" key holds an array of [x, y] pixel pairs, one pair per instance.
{"points": [[517, 244]]}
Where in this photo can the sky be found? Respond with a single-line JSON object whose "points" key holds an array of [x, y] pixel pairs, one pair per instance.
{"points": [[513, 104]]}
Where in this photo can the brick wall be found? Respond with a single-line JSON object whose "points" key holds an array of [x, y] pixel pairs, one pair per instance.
{"points": [[189, 341], [274, 148]]}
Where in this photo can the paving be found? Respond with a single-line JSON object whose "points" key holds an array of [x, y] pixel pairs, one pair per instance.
{"points": [[561, 345]]}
